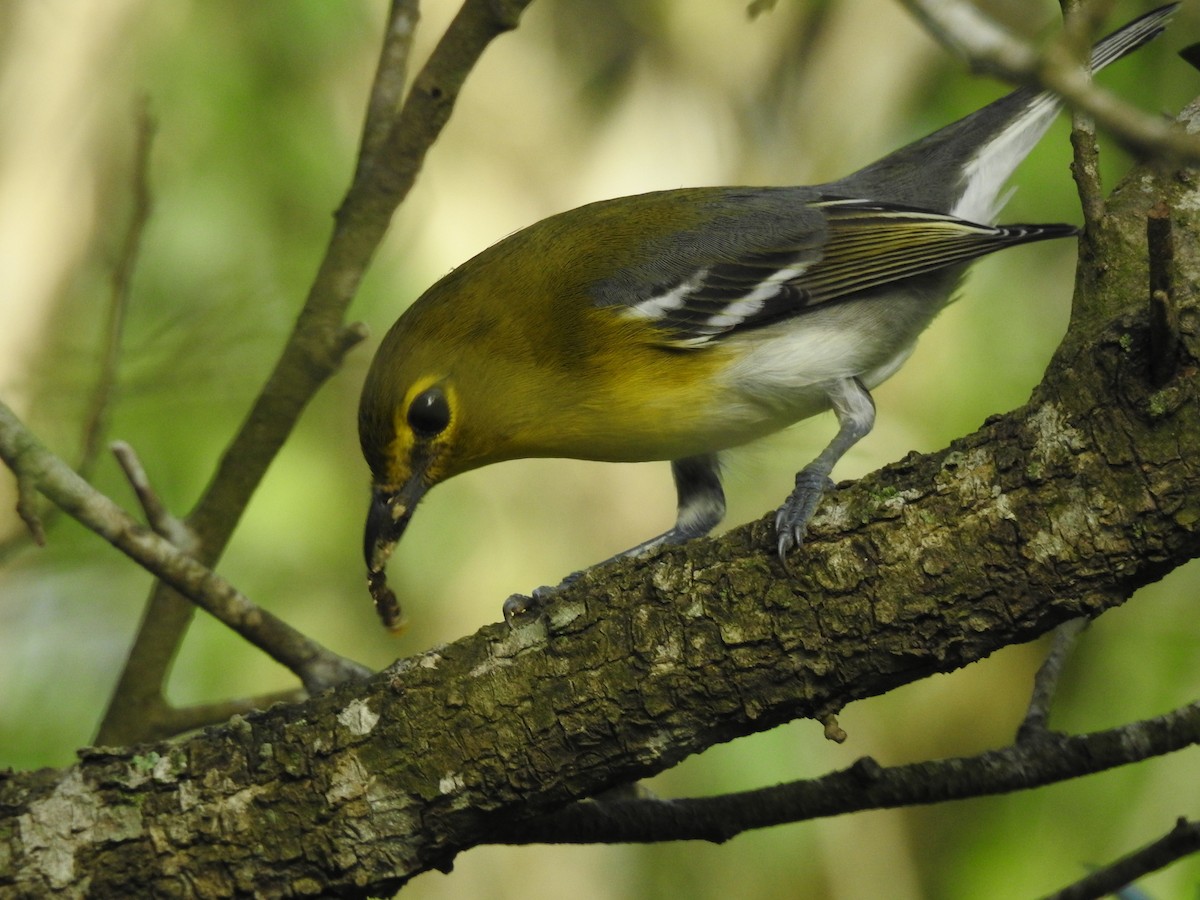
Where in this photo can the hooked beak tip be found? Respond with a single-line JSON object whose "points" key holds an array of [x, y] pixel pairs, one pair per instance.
{"points": [[386, 519]]}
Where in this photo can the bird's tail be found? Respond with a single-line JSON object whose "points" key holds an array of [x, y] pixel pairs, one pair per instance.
{"points": [[961, 169]]}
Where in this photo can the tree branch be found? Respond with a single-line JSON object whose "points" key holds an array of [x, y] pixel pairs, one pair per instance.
{"points": [[1036, 762], [987, 47], [1180, 841], [157, 514], [1045, 683], [95, 420], [386, 170], [387, 90], [1082, 21], [36, 466], [100, 403]]}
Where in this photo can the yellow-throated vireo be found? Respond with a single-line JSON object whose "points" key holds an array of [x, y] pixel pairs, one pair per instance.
{"points": [[678, 324]]}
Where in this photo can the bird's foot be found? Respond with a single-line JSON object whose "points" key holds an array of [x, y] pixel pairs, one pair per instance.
{"points": [[521, 608], [791, 522]]}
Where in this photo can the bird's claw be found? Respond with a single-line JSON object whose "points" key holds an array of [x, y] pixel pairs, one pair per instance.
{"points": [[787, 542], [791, 522], [519, 608]]}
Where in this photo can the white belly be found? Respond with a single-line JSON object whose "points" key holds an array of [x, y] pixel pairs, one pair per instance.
{"points": [[782, 373]]}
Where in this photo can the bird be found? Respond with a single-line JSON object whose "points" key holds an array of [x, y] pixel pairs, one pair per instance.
{"points": [[678, 324]]}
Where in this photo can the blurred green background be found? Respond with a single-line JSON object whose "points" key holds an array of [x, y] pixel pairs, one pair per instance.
{"points": [[259, 106]]}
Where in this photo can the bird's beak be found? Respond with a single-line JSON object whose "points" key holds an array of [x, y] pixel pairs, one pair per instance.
{"points": [[387, 518]]}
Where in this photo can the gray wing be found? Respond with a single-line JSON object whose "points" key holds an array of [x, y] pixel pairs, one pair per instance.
{"points": [[834, 250]]}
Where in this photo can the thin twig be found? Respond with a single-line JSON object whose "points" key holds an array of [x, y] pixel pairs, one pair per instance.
{"points": [[1045, 682], [95, 419], [1180, 841], [316, 666], [1081, 22], [27, 508], [988, 47], [983, 44], [158, 516], [1085, 169], [391, 73]]}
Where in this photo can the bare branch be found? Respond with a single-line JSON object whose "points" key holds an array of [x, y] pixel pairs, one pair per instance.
{"points": [[95, 420], [988, 47], [966, 32], [27, 508], [1081, 22], [865, 785], [387, 91], [316, 666], [1045, 682], [1085, 169], [1180, 841], [157, 515]]}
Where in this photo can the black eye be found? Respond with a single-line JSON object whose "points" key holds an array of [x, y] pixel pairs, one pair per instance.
{"points": [[429, 413]]}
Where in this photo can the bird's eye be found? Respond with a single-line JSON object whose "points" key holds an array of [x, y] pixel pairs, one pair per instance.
{"points": [[429, 413]]}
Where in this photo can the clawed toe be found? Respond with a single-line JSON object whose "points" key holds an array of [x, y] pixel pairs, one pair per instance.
{"points": [[520, 608], [791, 522]]}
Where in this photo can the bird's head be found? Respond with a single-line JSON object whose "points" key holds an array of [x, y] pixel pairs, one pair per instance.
{"points": [[409, 444], [445, 393], [410, 426]]}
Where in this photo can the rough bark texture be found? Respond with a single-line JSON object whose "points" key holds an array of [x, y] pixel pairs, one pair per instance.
{"points": [[1059, 509]]}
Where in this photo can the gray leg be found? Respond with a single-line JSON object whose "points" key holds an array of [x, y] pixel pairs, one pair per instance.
{"points": [[855, 412], [701, 503], [700, 509]]}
